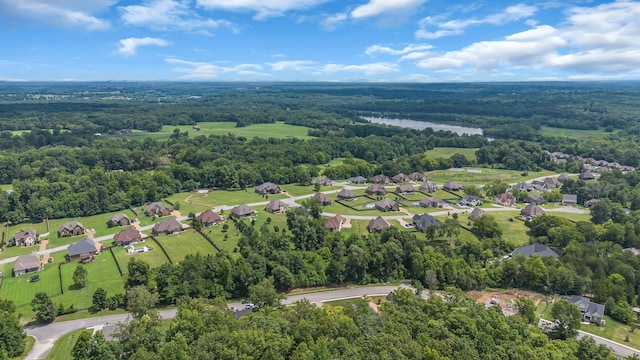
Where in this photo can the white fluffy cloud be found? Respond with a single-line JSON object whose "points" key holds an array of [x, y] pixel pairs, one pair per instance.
{"points": [[373, 49], [382, 7], [68, 13], [262, 8], [169, 14], [130, 46], [193, 70], [292, 65], [332, 21], [367, 69]]}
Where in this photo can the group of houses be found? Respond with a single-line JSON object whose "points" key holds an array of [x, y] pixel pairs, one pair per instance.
{"points": [[589, 163]]}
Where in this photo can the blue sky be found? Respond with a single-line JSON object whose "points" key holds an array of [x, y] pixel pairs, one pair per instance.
{"points": [[319, 40]]}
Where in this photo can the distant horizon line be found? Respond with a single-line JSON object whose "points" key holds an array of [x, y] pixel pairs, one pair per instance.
{"points": [[323, 81]]}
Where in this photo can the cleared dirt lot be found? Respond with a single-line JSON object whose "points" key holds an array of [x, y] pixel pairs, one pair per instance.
{"points": [[505, 298]]}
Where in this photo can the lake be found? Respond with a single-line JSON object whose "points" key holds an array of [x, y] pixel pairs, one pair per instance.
{"points": [[421, 125]]}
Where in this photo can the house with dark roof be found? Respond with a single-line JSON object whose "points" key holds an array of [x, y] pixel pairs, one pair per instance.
{"points": [[118, 220], [346, 194], [268, 188], [357, 180], [157, 208], [127, 236], [334, 224], [506, 199], [380, 179], [423, 221], [209, 218], [591, 312], [551, 182], [405, 189], [25, 237], [276, 207], [428, 186], [322, 198], [569, 199], [85, 248], [166, 227], [476, 213], [242, 211], [26, 264], [532, 210], [71, 228], [523, 186], [535, 249], [452, 186], [563, 177], [387, 205], [586, 176], [432, 202], [378, 224], [536, 199], [400, 178], [323, 181], [376, 189], [416, 176], [470, 201]]}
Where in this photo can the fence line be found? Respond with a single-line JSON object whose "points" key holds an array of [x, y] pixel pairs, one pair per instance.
{"points": [[209, 240], [161, 248], [116, 260]]}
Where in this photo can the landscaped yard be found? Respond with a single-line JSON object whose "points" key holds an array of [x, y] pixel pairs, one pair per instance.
{"points": [[154, 257], [484, 176], [21, 290], [278, 130], [513, 231], [186, 242], [360, 203], [194, 202], [447, 152], [615, 331], [299, 190]]}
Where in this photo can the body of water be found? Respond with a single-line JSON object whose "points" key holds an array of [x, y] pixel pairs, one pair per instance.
{"points": [[421, 125]]}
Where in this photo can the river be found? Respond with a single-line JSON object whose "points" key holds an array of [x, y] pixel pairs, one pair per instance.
{"points": [[421, 125]]}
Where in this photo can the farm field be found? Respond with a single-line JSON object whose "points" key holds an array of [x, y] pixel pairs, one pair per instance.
{"points": [[154, 257], [573, 133], [484, 176], [447, 152], [278, 130], [186, 242]]}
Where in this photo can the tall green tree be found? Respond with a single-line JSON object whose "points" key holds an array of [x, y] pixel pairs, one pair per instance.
{"points": [[264, 294], [567, 317], [44, 307], [139, 273], [99, 299], [79, 276], [12, 335]]}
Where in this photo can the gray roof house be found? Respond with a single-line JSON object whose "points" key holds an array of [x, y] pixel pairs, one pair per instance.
{"points": [[387, 205], [523, 186], [276, 207], [433, 202], [168, 226], [405, 189], [591, 312], [26, 264], [268, 188], [345, 194], [535, 249], [428, 186], [334, 223], [535, 199], [416, 176], [323, 181], [357, 180], [476, 213], [532, 210], [380, 179], [157, 208], [70, 228], [505, 199], [452, 186], [400, 178], [586, 176], [470, 201], [378, 224], [81, 249], [242, 210], [322, 198], [376, 189], [423, 221], [209, 218], [25, 237], [118, 220], [569, 199]]}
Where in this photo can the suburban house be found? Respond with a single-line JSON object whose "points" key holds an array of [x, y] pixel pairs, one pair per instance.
{"points": [[357, 180], [26, 264], [405, 189], [376, 189], [589, 203], [562, 178], [586, 176], [276, 207], [476, 213], [452, 186], [25, 237], [551, 182], [400, 178], [323, 181], [506, 199], [536, 199], [70, 228], [569, 199], [387, 205], [523, 186], [428, 186], [157, 209], [470, 201], [334, 224], [242, 211], [209, 218], [268, 188], [85, 248], [118, 220], [532, 210], [423, 221], [380, 179], [322, 198], [168, 226], [591, 312], [345, 194], [541, 186], [127, 236], [378, 224], [535, 249], [433, 202], [416, 176]]}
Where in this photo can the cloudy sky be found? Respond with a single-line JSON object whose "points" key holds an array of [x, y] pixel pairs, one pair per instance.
{"points": [[319, 40]]}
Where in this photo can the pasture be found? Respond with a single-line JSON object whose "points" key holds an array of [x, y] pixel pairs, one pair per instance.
{"points": [[278, 130], [180, 244]]}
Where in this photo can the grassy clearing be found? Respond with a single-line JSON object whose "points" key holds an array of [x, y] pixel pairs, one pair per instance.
{"points": [[484, 176], [616, 331], [512, 231], [63, 346], [299, 190], [571, 133], [447, 152], [278, 130], [571, 216], [154, 257], [194, 202], [186, 242]]}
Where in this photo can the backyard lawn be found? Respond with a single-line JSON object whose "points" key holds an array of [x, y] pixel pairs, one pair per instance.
{"points": [[299, 190], [513, 231], [616, 331], [186, 242], [154, 257], [483, 176], [21, 290], [277, 130]]}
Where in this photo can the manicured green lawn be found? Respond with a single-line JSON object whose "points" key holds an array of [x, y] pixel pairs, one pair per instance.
{"points": [[21, 290], [513, 231], [278, 130], [99, 222], [578, 134], [63, 346], [154, 257], [186, 242], [571, 216], [299, 190], [484, 176], [190, 201], [447, 152], [616, 331]]}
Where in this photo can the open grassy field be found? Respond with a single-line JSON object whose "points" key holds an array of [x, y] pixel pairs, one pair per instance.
{"points": [[63, 346], [278, 130], [484, 176], [359, 203], [616, 331], [577, 134], [446, 152], [299, 190], [513, 231], [570, 216], [154, 257], [186, 242], [194, 202], [21, 290]]}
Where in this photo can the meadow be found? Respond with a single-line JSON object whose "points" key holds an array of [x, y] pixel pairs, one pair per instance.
{"points": [[447, 152], [278, 130], [484, 176], [573, 133]]}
